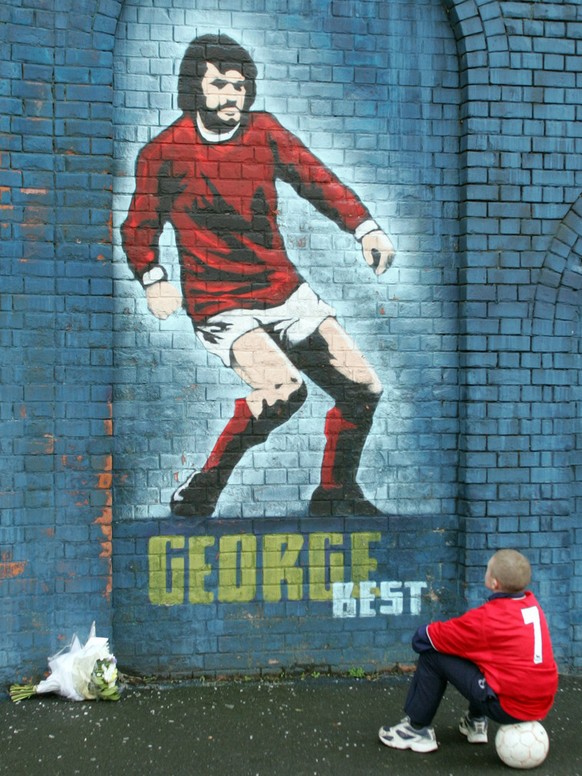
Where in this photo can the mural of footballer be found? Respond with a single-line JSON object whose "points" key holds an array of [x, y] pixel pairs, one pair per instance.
{"points": [[211, 175]]}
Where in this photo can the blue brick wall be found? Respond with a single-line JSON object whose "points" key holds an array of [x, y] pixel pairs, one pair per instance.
{"points": [[457, 123], [520, 415], [57, 308], [279, 617]]}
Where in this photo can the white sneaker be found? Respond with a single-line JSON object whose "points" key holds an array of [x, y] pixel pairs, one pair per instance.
{"points": [[404, 736], [475, 728]]}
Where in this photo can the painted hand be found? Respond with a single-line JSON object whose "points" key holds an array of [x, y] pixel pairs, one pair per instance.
{"points": [[163, 299], [378, 251]]}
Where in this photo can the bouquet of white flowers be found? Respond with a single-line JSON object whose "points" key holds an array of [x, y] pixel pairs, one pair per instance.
{"points": [[78, 673]]}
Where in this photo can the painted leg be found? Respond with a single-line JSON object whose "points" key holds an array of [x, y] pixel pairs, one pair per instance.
{"points": [[197, 497], [278, 392], [332, 360], [339, 492]]}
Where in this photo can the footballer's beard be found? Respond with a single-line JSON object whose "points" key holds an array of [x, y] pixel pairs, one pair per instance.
{"points": [[214, 123]]}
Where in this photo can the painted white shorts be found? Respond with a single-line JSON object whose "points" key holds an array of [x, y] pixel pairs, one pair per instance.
{"points": [[290, 323]]}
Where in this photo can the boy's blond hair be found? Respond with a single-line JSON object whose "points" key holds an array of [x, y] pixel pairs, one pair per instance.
{"points": [[511, 569]]}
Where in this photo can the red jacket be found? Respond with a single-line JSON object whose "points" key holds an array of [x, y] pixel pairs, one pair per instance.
{"points": [[508, 639], [222, 202]]}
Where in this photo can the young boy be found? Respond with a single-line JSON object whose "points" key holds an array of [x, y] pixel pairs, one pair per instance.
{"points": [[498, 656]]}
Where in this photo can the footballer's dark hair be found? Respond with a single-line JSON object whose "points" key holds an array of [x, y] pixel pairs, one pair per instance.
{"points": [[222, 52]]}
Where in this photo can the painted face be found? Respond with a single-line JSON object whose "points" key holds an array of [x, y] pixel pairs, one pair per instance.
{"points": [[224, 95]]}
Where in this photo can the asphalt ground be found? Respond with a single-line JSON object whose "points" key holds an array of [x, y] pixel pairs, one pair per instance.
{"points": [[316, 726]]}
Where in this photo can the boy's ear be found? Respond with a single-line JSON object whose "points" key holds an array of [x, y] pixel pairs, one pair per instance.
{"points": [[494, 584]]}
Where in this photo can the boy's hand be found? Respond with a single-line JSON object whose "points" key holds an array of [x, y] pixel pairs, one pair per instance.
{"points": [[378, 251], [163, 299]]}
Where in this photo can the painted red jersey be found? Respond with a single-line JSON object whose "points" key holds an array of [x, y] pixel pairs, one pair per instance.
{"points": [[508, 638], [221, 199]]}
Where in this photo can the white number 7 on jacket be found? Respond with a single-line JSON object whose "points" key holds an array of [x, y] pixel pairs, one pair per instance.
{"points": [[531, 616]]}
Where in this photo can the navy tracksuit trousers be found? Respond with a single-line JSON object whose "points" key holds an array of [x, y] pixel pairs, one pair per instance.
{"points": [[433, 672]]}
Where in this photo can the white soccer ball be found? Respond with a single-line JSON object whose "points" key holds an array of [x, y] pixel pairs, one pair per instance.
{"points": [[523, 745]]}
